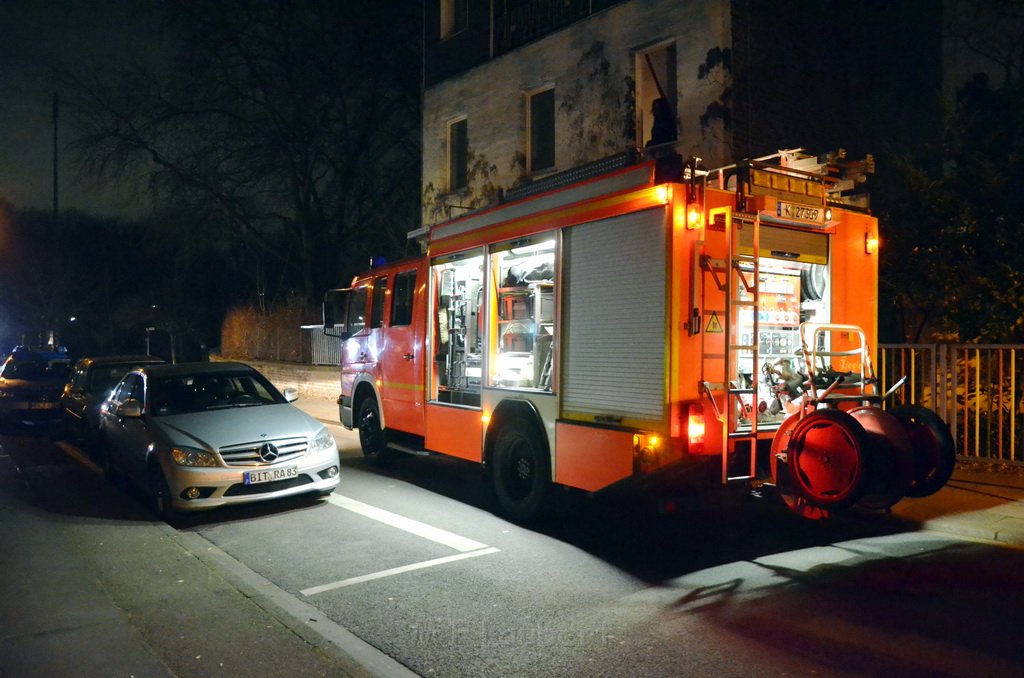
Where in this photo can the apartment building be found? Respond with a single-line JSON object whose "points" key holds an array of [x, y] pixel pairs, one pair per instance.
{"points": [[524, 95]]}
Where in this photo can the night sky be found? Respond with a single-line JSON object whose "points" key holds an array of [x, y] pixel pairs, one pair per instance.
{"points": [[36, 35]]}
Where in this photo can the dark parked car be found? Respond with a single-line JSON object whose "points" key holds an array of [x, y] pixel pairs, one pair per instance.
{"points": [[91, 382], [31, 382], [201, 435]]}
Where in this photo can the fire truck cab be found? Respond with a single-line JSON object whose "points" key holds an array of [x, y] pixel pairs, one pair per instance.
{"points": [[647, 323]]}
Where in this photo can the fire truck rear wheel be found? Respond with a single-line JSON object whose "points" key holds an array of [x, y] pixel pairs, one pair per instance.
{"points": [[371, 435], [521, 471]]}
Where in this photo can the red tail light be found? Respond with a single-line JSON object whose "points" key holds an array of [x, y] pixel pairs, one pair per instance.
{"points": [[695, 428]]}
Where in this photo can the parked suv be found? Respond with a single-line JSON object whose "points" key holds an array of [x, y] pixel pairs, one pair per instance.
{"points": [[90, 383], [31, 382]]}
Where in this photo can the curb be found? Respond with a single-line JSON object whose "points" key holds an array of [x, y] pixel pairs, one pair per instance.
{"points": [[358, 658]]}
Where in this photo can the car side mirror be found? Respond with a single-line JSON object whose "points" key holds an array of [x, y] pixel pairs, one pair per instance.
{"points": [[131, 408], [291, 394]]}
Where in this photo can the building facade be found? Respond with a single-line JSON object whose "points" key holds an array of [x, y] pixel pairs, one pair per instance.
{"points": [[520, 94]]}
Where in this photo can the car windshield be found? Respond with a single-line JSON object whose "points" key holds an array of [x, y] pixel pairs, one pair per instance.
{"points": [[197, 393], [37, 370]]}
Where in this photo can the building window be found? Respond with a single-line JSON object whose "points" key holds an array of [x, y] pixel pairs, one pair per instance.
{"points": [[454, 17], [540, 122], [656, 106], [458, 154]]}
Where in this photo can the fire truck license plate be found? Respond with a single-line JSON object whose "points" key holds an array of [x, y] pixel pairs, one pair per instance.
{"points": [[788, 210], [270, 475]]}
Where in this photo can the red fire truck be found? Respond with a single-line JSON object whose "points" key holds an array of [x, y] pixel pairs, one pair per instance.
{"points": [[658, 322]]}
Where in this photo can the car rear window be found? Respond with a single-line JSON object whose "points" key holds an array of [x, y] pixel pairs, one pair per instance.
{"points": [[36, 370]]}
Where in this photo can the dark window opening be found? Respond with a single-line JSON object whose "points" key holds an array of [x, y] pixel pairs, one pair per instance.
{"points": [[458, 155], [542, 130]]}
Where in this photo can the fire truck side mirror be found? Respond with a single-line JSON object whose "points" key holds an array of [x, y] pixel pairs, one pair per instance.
{"points": [[336, 313]]}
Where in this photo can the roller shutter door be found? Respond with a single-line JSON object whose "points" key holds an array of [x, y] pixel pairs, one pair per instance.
{"points": [[786, 243], [614, 334]]}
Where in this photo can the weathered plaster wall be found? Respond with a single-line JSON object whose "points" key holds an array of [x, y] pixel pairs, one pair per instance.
{"points": [[591, 65]]}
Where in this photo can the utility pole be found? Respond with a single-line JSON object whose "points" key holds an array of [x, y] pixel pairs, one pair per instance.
{"points": [[56, 206]]}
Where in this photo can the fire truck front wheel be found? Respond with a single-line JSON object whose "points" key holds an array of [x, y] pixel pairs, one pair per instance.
{"points": [[371, 435], [521, 471]]}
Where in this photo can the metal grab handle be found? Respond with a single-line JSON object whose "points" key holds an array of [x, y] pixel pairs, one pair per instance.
{"points": [[714, 403]]}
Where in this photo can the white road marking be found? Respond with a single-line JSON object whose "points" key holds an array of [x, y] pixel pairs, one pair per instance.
{"points": [[468, 548], [396, 570], [430, 532]]}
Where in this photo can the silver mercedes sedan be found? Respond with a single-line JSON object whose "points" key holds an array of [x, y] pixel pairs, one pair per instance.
{"points": [[197, 436]]}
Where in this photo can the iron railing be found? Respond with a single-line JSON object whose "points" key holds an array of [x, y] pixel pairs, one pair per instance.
{"points": [[323, 350], [977, 389], [522, 22]]}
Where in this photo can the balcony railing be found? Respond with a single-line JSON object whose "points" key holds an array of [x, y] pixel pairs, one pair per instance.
{"points": [[527, 21]]}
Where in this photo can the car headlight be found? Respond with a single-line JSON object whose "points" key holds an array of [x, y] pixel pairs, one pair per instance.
{"points": [[322, 441], [187, 456]]}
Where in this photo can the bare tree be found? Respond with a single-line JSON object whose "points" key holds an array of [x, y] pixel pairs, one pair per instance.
{"points": [[993, 30], [293, 125]]}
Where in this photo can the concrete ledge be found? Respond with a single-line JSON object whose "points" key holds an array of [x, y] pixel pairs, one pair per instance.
{"points": [[311, 381]]}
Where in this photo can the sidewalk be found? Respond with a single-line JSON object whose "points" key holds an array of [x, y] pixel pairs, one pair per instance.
{"points": [[54, 613], [981, 501], [91, 587]]}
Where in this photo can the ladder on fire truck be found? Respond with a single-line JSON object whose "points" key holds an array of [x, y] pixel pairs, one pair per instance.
{"points": [[739, 280]]}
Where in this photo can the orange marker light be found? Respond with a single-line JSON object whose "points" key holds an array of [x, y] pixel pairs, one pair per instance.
{"points": [[870, 243], [694, 217]]}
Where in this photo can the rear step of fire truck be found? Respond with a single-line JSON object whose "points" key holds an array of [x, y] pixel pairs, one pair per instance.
{"points": [[739, 280]]}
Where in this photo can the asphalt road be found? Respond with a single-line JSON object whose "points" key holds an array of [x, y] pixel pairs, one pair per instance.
{"points": [[410, 568]]}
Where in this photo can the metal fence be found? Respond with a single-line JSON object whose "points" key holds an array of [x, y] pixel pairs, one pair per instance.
{"points": [[323, 350], [977, 389]]}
